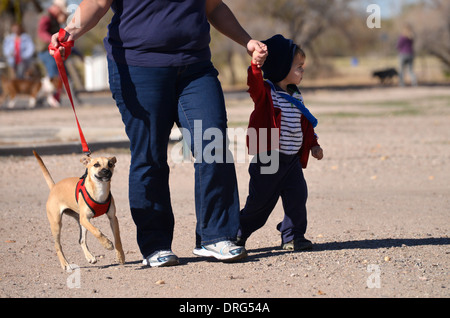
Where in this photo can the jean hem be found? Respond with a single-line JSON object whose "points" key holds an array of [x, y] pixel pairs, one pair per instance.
{"points": [[217, 240]]}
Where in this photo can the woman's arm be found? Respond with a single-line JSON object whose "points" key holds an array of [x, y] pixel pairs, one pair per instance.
{"points": [[85, 18], [28, 46], [221, 17], [8, 46]]}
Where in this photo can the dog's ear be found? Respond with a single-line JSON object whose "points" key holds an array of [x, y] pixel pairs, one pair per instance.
{"points": [[85, 160], [113, 160]]}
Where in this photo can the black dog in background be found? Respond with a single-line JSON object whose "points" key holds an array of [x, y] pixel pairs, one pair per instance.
{"points": [[386, 76]]}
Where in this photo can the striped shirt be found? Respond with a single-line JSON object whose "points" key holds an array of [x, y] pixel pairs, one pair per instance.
{"points": [[291, 135]]}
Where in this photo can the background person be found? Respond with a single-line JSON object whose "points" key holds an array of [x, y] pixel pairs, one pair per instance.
{"points": [[405, 47], [18, 48], [50, 23]]}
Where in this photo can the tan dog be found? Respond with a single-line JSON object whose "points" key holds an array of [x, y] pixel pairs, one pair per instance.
{"points": [[65, 197]]}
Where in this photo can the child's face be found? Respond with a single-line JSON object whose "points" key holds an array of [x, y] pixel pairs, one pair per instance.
{"points": [[295, 75]]}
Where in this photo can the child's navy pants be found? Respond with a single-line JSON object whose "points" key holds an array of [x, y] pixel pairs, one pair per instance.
{"points": [[265, 189]]}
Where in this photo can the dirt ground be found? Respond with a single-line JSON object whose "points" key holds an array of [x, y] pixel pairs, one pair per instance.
{"points": [[378, 210]]}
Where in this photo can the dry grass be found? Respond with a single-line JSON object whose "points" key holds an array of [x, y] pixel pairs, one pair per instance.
{"points": [[339, 71]]}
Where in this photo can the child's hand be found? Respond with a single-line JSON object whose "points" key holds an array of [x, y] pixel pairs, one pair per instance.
{"points": [[317, 152], [259, 58], [258, 51]]}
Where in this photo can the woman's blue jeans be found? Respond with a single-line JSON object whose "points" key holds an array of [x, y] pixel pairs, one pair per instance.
{"points": [[49, 63], [151, 100]]}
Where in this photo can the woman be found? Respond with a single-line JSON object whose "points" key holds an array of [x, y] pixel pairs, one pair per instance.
{"points": [[18, 48], [405, 47], [160, 73]]}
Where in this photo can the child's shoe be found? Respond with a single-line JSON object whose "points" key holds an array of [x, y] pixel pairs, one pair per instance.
{"points": [[297, 244], [240, 241], [161, 258]]}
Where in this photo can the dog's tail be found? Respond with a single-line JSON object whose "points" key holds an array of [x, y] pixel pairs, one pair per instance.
{"points": [[47, 176]]}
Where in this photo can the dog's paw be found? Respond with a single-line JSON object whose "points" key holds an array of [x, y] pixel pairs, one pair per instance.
{"points": [[107, 244], [91, 260]]}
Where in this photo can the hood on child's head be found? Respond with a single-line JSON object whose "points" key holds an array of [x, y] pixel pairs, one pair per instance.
{"points": [[279, 61]]}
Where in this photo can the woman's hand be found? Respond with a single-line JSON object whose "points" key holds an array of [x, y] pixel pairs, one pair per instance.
{"points": [[55, 43], [258, 51], [87, 15]]}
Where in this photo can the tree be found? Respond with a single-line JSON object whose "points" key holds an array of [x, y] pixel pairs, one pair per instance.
{"points": [[306, 20], [431, 23], [436, 40]]}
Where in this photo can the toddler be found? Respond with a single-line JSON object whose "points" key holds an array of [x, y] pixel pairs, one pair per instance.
{"points": [[279, 104]]}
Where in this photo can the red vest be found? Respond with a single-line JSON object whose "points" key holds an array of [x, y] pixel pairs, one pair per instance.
{"points": [[265, 115], [96, 207]]}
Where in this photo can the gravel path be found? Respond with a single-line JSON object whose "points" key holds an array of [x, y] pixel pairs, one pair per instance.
{"points": [[378, 211]]}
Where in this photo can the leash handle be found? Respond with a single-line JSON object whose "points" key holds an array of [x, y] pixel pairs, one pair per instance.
{"points": [[62, 35]]}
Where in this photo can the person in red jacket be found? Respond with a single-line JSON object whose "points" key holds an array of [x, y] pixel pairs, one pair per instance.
{"points": [[279, 109]]}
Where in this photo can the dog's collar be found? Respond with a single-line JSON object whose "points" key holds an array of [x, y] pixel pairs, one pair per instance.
{"points": [[96, 207]]}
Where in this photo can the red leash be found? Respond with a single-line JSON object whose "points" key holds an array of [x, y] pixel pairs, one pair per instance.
{"points": [[62, 73]]}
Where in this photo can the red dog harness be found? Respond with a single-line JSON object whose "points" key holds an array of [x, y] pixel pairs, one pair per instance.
{"points": [[96, 207]]}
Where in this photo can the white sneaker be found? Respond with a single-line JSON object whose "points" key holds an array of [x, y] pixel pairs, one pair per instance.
{"points": [[161, 258], [225, 251]]}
